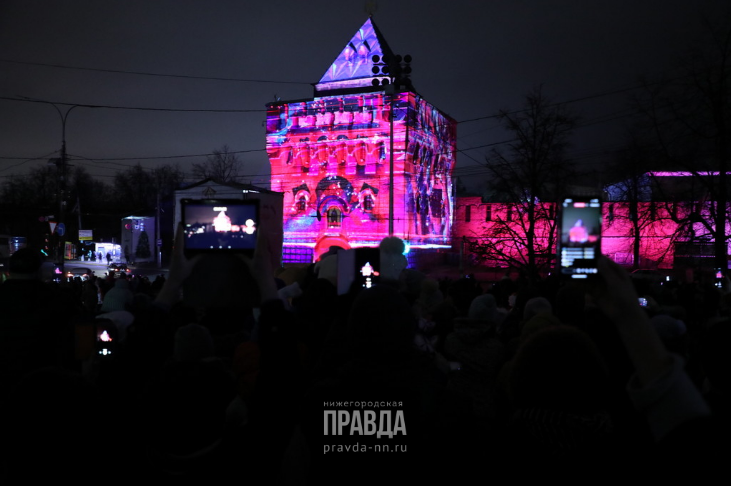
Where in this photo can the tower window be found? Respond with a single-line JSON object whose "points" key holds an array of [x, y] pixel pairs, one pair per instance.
{"points": [[334, 217]]}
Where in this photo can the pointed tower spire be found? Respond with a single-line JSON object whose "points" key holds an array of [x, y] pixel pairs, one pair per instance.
{"points": [[353, 68]]}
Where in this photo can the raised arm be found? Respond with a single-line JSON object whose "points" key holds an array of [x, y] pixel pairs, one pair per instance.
{"points": [[180, 269], [615, 295], [660, 389]]}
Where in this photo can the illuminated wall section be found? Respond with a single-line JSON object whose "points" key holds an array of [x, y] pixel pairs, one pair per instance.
{"points": [[132, 229], [493, 234], [658, 233], [664, 240], [331, 156]]}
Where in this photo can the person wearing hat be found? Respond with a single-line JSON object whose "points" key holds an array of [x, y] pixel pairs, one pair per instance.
{"points": [[119, 297]]}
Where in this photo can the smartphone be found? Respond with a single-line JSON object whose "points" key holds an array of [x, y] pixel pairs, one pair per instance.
{"points": [[579, 243], [359, 267], [220, 225], [718, 279], [106, 338], [642, 301]]}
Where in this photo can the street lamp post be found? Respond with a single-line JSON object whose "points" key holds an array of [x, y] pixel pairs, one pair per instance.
{"points": [[62, 187], [394, 75], [390, 160], [61, 165]]}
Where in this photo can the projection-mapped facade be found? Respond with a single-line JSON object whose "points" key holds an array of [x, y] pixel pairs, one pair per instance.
{"points": [[332, 156]]}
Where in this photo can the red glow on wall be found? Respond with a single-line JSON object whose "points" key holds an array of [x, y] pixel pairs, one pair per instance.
{"points": [[665, 236], [331, 157]]}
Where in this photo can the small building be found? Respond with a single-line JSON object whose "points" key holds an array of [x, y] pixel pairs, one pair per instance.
{"points": [[113, 249], [138, 241]]}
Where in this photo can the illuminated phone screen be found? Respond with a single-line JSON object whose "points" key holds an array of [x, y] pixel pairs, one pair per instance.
{"points": [[580, 238], [360, 267], [213, 225], [718, 280]]}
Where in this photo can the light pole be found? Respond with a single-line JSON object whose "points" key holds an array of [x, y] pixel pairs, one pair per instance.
{"points": [[61, 166], [394, 75], [390, 158], [62, 188]]}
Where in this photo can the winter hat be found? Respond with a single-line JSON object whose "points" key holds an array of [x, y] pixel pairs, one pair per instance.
{"points": [[393, 261], [535, 306], [484, 307], [559, 368], [118, 298], [538, 322]]}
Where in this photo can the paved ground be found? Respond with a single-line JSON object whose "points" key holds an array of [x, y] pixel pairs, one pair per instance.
{"points": [[485, 276], [100, 269]]}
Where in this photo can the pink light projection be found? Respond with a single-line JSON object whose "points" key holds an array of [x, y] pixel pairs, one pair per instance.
{"points": [[331, 156], [500, 229], [666, 239]]}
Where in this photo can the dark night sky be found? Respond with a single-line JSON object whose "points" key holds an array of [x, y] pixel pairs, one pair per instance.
{"points": [[468, 60]]}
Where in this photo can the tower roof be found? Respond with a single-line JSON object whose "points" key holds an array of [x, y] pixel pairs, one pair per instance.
{"points": [[353, 68]]}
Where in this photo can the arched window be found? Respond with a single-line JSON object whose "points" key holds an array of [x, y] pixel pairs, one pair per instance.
{"points": [[368, 203], [334, 217], [301, 203]]}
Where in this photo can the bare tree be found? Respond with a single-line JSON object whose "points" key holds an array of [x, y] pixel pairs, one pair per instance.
{"points": [[637, 212], [690, 117], [222, 166], [167, 179], [529, 175], [136, 189]]}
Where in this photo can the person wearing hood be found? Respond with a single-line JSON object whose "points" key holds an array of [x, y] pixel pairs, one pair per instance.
{"points": [[475, 345]]}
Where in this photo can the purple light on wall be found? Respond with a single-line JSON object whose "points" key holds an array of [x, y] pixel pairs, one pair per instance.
{"points": [[332, 156]]}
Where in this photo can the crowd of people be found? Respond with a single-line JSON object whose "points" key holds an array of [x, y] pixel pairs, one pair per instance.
{"points": [[228, 367]]}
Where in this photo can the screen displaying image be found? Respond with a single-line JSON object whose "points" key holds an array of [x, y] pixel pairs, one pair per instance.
{"points": [[718, 281], [581, 223], [220, 225], [359, 267]]}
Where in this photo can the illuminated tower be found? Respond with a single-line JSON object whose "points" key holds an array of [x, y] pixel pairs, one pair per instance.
{"points": [[366, 158]]}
